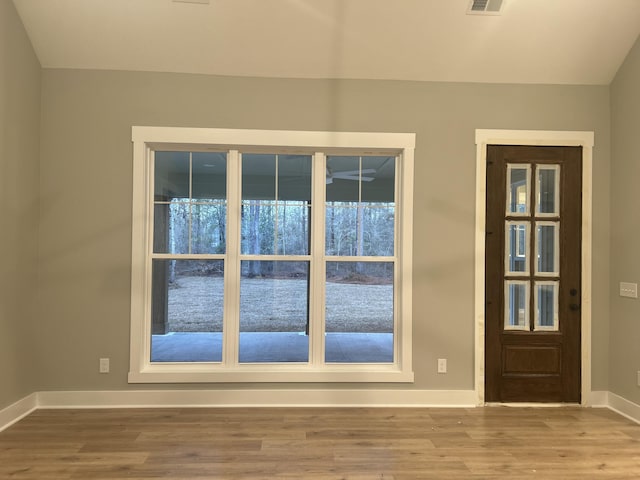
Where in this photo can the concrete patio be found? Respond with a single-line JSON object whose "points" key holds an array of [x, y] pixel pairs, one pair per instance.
{"points": [[261, 347]]}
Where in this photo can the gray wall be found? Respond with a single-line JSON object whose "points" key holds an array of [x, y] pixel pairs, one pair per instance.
{"points": [[86, 195], [625, 226], [19, 151]]}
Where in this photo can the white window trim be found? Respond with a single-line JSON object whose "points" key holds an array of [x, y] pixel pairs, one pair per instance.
{"points": [[148, 139]]}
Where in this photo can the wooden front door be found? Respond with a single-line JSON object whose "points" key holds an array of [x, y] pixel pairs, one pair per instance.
{"points": [[533, 274]]}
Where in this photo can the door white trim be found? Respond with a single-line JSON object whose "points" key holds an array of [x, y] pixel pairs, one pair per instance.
{"points": [[540, 138]]}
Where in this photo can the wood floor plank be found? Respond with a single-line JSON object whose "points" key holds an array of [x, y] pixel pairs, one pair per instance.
{"points": [[322, 444]]}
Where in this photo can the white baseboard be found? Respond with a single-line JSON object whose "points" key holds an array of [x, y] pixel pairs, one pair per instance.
{"points": [[258, 398], [598, 398], [624, 407], [272, 398], [18, 410]]}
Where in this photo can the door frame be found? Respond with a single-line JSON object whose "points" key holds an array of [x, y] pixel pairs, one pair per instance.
{"points": [[535, 138]]}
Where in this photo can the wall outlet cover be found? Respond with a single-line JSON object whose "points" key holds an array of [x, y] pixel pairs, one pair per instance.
{"points": [[442, 365], [104, 365]]}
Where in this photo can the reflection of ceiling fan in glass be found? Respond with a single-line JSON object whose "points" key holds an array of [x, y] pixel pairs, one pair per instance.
{"points": [[349, 175]]}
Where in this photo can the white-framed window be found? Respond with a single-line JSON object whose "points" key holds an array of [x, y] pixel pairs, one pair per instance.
{"points": [[271, 256]]}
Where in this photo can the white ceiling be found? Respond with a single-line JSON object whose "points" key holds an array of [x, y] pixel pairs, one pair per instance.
{"points": [[533, 41]]}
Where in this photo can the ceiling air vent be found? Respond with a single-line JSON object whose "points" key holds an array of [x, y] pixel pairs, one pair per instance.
{"points": [[485, 7]]}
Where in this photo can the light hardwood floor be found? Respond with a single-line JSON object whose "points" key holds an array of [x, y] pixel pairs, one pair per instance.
{"points": [[330, 443]]}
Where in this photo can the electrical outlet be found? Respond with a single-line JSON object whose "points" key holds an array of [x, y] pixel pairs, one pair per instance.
{"points": [[442, 365], [104, 365]]}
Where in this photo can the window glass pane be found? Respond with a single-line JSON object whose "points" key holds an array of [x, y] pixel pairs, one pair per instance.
{"points": [[294, 205], [546, 306], [171, 210], [293, 228], [343, 179], [274, 310], [187, 310], [359, 312], [340, 230], [209, 176], [208, 227], [258, 201], [518, 180], [547, 240], [171, 227], [548, 189], [378, 229], [517, 248], [190, 203], [273, 226], [516, 316], [258, 177], [378, 179], [258, 227], [171, 179], [359, 229], [294, 178]]}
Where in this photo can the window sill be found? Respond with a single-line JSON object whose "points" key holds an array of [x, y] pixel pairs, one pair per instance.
{"points": [[251, 373]]}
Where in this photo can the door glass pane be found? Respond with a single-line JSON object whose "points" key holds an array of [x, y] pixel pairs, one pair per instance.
{"points": [[548, 181], [516, 315], [547, 241], [517, 248], [187, 310], [518, 188], [359, 312], [274, 310], [546, 305]]}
